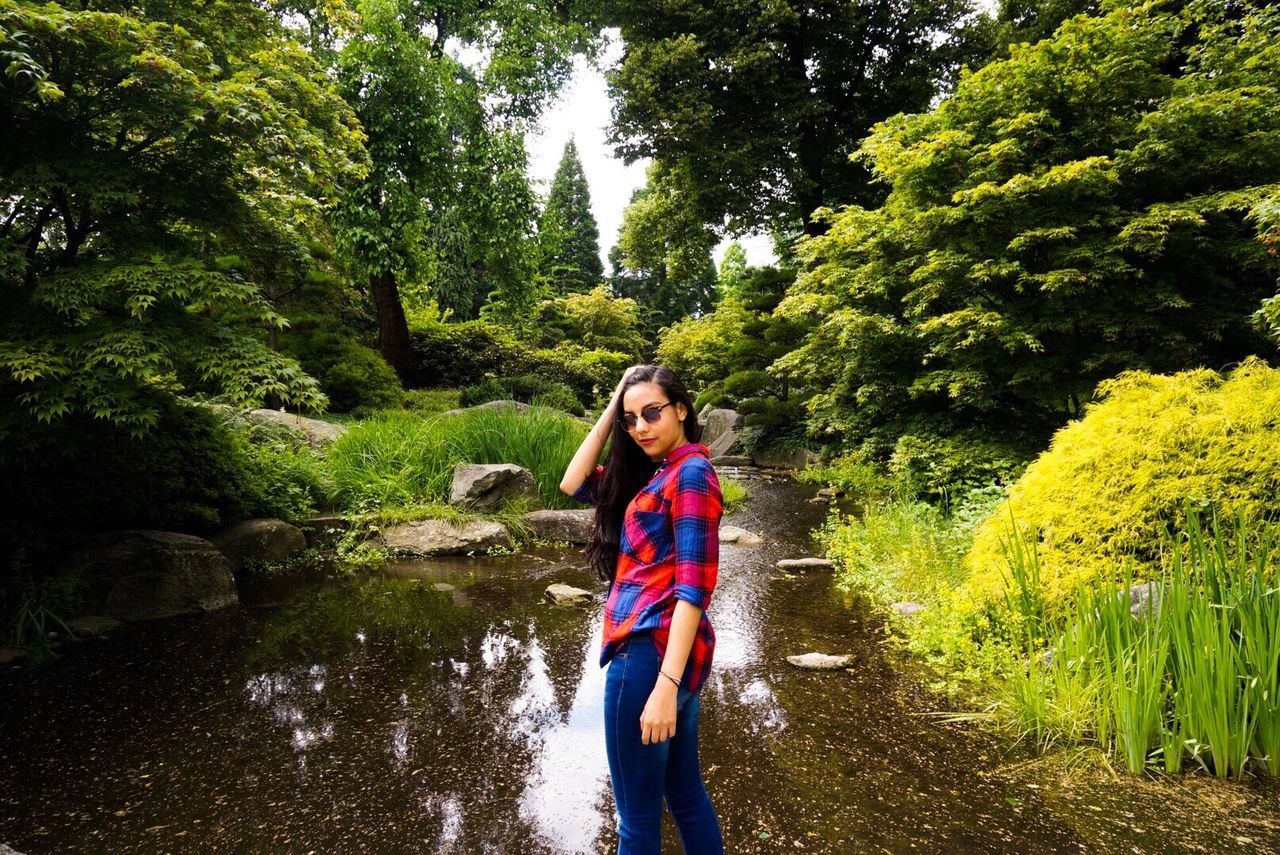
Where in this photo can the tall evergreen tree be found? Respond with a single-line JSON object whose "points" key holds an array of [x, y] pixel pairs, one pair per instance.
{"points": [[568, 232]]}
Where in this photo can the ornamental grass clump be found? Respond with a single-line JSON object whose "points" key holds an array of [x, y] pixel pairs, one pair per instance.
{"points": [[1188, 673]]}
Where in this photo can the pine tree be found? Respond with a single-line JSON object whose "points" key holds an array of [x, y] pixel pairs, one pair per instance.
{"points": [[569, 236]]}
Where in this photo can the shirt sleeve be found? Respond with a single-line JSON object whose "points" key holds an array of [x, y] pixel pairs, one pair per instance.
{"points": [[587, 492], [696, 508]]}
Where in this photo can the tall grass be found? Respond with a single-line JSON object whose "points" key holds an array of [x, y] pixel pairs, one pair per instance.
{"points": [[1194, 676], [401, 459]]}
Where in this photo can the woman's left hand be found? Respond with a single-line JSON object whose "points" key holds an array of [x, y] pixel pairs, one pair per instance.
{"points": [[658, 721]]}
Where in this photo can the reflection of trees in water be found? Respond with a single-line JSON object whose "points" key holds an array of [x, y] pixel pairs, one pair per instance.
{"points": [[432, 696]]}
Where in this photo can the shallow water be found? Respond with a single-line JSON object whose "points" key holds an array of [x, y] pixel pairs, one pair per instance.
{"points": [[390, 713]]}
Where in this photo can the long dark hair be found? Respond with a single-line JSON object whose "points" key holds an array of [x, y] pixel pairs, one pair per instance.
{"points": [[627, 469]]}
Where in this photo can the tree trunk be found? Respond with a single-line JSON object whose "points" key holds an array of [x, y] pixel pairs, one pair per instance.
{"points": [[393, 329]]}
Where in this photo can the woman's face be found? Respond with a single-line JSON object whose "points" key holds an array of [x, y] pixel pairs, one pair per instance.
{"points": [[664, 435]]}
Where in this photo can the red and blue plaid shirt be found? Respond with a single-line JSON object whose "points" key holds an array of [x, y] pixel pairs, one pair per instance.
{"points": [[668, 550]]}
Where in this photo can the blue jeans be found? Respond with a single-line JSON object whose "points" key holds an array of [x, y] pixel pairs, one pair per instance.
{"points": [[643, 774]]}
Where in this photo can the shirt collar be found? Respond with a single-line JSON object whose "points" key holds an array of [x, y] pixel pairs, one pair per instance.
{"points": [[685, 450]]}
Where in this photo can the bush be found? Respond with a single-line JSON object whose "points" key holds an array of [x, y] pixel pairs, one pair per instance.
{"points": [[354, 377], [529, 388], [1114, 480]]}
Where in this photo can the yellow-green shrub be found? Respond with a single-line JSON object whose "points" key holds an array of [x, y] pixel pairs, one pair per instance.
{"points": [[1111, 481]]}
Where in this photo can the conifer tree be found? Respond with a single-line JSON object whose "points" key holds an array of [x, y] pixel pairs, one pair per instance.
{"points": [[568, 232]]}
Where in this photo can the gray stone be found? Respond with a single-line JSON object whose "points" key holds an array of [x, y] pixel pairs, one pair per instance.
{"points": [[567, 595], [93, 626], [10, 656], [441, 537], [6, 850], [265, 540], [805, 564], [720, 430], [733, 534], [573, 525], [141, 574], [1144, 599], [820, 661], [324, 528], [317, 432], [771, 458], [907, 609], [830, 492], [485, 486], [731, 460], [443, 586]]}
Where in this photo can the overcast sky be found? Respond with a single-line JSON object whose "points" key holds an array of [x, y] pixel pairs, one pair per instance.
{"points": [[582, 111]]}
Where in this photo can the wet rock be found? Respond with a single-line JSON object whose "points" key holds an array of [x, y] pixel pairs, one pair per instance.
{"points": [[820, 500], [733, 534], [830, 492], [771, 458], [720, 430], [141, 574], [1144, 599], [6, 850], [441, 537], [731, 460], [573, 525], [907, 609], [485, 486], [11, 656], [93, 626], [820, 661], [794, 564], [443, 586], [265, 540], [318, 433], [567, 595]]}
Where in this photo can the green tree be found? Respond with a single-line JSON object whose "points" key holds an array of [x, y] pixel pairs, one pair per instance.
{"points": [[733, 269], [149, 188], [567, 233], [761, 104], [1072, 212]]}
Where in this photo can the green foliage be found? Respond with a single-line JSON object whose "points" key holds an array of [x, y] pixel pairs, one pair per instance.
{"points": [[939, 468], [756, 107], [1071, 212], [353, 377], [732, 272], [596, 320], [149, 193], [1192, 677], [568, 237], [528, 388], [697, 349], [1113, 480]]}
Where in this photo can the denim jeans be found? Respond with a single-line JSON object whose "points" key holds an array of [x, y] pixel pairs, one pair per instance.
{"points": [[643, 774]]}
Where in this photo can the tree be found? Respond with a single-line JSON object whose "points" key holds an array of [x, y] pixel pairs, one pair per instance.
{"points": [[1069, 213], [760, 105], [149, 187], [447, 212], [733, 269], [568, 234]]}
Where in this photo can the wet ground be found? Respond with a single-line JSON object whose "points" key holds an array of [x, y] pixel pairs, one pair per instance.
{"points": [[442, 706]]}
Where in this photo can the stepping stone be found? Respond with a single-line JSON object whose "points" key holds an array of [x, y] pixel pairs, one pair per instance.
{"points": [[92, 626], [907, 609], [820, 661], [805, 564], [566, 595], [733, 534], [443, 586]]}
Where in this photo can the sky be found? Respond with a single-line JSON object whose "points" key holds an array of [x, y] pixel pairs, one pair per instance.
{"points": [[582, 111]]}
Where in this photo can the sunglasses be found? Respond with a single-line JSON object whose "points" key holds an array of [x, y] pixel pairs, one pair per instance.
{"points": [[651, 415]]}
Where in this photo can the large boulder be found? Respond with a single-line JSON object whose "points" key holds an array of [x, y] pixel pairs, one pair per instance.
{"points": [[317, 432], [720, 430], [731, 460], [771, 458], [263, 540], [441, 537], [573, 525], [141, 574], [485, 486]]}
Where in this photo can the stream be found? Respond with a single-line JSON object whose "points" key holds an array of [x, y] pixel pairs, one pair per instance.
{"points": [[443, 706]]}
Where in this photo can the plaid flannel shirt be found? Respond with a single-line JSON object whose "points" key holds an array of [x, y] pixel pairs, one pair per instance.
{"points": [[669, 550]]}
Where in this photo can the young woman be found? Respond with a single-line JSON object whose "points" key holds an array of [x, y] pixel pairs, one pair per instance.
{"points": [[656, 541]]}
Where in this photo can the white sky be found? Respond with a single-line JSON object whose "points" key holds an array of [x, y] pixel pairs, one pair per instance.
{"points": [[582, 111]]}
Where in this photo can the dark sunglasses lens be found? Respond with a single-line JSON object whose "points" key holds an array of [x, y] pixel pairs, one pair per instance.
{"points": [[651, 415]]}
